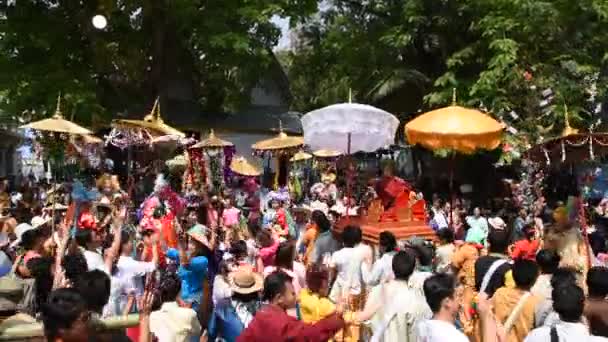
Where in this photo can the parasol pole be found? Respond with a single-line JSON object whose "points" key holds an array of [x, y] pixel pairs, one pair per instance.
{"points": [[348, 177], [452, 161]]}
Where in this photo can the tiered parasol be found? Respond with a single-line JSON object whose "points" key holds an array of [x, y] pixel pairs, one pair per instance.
{"points": [[241, 166], [57, 124], [177, 162], [572, 146], [152, 122], [212, 142], [325, 153], [216, 159], [282, 143], [300, 156], [349, 128], [282, 147]]}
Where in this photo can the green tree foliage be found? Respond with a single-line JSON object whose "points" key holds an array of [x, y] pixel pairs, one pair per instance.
{"points": [[218, 49], [499, 55]]}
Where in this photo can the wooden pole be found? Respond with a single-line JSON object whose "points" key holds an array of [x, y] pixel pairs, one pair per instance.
{"points": [[20, 332]]}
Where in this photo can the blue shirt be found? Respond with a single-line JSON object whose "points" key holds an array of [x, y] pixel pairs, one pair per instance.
{"points": [[192, 275]]}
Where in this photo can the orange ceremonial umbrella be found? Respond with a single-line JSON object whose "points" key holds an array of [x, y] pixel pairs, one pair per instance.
{"points": [[455, 128]]}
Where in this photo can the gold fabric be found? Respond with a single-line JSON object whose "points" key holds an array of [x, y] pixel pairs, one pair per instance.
{"points": [[455, 128]]}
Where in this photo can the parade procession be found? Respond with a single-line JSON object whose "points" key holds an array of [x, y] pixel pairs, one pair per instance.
{"points": [[243, 171]]}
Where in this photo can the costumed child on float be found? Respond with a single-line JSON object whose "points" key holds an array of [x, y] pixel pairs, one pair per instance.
{"points": [[276, 217], [159, 210]]}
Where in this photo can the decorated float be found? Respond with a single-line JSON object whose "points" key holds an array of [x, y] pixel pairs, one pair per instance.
{"points": [[390, 202]]}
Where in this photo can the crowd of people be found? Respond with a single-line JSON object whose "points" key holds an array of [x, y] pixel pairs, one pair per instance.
{"points": [[212, 269]]}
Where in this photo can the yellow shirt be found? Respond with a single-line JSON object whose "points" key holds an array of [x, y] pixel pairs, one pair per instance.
{"points": [[313, 308]]}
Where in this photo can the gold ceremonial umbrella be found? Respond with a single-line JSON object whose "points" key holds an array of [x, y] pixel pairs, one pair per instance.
{"points": [[281, 142], [57, 123], [301, 155], [323, 153], [243, 167], [177, 162], [153, 122], [455, 128], [90, 139], [212, 142]]}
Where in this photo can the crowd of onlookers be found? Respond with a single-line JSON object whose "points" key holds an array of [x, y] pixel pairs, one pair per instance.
{"points": [[291, 277]]}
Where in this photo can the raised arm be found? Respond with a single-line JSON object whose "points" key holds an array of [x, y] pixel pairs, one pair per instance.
{"points": [[116, 227]]}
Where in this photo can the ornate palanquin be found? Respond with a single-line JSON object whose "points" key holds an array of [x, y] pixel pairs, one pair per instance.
{"points": [[406, 218]]}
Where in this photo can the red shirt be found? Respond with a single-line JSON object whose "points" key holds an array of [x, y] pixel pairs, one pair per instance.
{"points": [[272, 323], [525, 249]]}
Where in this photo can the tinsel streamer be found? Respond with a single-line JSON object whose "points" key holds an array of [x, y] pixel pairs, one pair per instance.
{"points": [[591, 154], [563, 152], [229, 152], [276, 172]]}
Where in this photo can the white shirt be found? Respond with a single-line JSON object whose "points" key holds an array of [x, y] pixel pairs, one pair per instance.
{"points": [[433, 330], [130, 270], [443, 255], [221, 289], [567, 332], [126, 280], [380, 272], [347, 263], [400, 308], [542, 288], [175, 324], [95, 261]]}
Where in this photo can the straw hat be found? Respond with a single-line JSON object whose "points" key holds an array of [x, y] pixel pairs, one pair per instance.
{"points": [[58, 207], [197, 232], [497, 223], [19, 231], [38, 221], [245, 281]]}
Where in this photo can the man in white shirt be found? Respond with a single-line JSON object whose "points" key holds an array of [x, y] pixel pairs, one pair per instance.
{"points": [[395, 308], [172, 322], [568, 302], [347, 264], [439, 293]]}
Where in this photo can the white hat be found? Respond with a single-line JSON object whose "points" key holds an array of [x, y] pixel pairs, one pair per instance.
{"points": [[19, 231], [38, 221], [497, 223]]}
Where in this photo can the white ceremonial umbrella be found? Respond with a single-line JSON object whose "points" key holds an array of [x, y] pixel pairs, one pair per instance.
{"points": [[368, 128]]}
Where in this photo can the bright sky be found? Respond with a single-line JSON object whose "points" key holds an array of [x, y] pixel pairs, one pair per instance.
{"points": [[284, 41]]}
